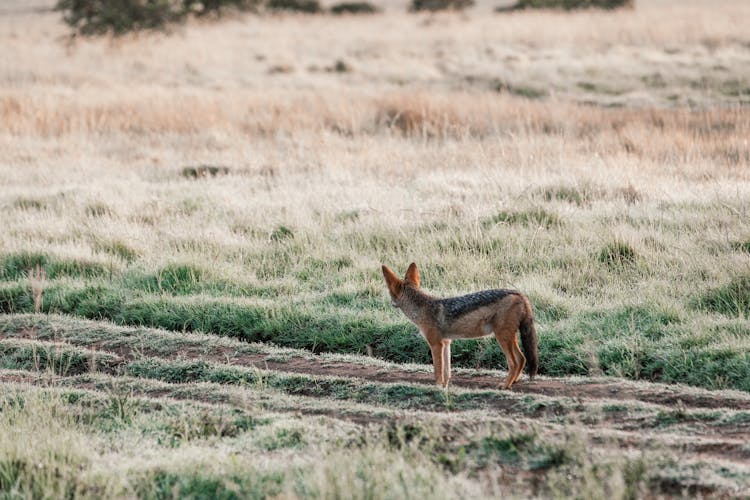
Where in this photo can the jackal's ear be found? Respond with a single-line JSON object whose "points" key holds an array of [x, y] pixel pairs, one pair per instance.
{"points": [[393, 281], [412, 274]]}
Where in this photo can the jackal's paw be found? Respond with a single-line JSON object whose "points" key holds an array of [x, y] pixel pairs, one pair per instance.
{"points": [[504, 386]]}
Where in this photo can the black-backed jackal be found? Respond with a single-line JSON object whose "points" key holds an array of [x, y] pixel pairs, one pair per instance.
{"points": [[499, 312]]}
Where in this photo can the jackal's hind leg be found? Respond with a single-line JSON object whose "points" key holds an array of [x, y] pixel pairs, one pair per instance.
{"points": [[520, 359], [507, 348]]}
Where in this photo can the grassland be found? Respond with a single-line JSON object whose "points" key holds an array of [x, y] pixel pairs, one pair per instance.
{"points": [[192, 226]]}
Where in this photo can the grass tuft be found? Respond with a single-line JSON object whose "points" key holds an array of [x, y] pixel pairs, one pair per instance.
{"points": [[578, 195], [176, 279], [204, 171], [281, 233], [18, 265], [617, 254], [731, 299], [29, 204], [536, 217], [98, 210], [742, 246], [119, 249]]}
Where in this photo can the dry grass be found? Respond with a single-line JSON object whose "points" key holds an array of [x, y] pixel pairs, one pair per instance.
{"points": [[95, 137], [496, 150]]}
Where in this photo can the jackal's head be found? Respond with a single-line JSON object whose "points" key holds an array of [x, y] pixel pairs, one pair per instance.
{"points": [[396, 285]]}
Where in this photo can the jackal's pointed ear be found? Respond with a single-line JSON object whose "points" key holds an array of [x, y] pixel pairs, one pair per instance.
{"points": [[393, 281], [412, 274]]}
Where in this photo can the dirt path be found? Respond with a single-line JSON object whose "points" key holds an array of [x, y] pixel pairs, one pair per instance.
{"points": [[615, 390], [716, 438], [577, 388], [706, 441]]}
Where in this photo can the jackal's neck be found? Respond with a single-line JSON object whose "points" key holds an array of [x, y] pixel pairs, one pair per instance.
{"points": [[416, 305]]}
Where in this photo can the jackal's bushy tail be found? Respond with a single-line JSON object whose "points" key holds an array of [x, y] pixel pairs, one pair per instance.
{"points": [[529, 341]]}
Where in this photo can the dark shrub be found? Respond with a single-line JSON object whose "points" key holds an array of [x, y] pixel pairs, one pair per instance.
{"points": [[202, 171], [307, 6], [435, 5], [567, 4], [96, 17], [354, 8]]}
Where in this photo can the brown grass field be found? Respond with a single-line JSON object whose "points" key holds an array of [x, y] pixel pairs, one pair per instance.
{"points": [[166, 331]]}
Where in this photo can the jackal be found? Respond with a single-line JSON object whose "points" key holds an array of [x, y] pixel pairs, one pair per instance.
{"points": [[500, 312]]}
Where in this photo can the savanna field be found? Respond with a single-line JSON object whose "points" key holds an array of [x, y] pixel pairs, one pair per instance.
{"points": [[193, 222]]}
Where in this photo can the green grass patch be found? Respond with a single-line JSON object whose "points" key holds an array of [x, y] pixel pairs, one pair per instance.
{"points": [[534, 217], [18, 266], [176, 279], [742, 246], [617, 254], [731, 299], [193, 484], [118, 249], [59, 360], [578, 195]]}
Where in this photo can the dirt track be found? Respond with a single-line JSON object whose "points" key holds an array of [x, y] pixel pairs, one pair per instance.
{"points": [[578, 388], [694, 436]]}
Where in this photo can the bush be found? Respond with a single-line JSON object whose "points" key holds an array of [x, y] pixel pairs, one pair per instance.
{"points": [[568, 4], [96, 17], [435, 5], [307, 6], [354, 8]]}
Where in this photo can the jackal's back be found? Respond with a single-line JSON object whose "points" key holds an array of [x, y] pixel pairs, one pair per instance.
{"points": [[455, 307]]}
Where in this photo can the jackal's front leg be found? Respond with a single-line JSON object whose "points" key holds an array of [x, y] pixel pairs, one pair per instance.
{"points": [[446, 362], [437, 363]]}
